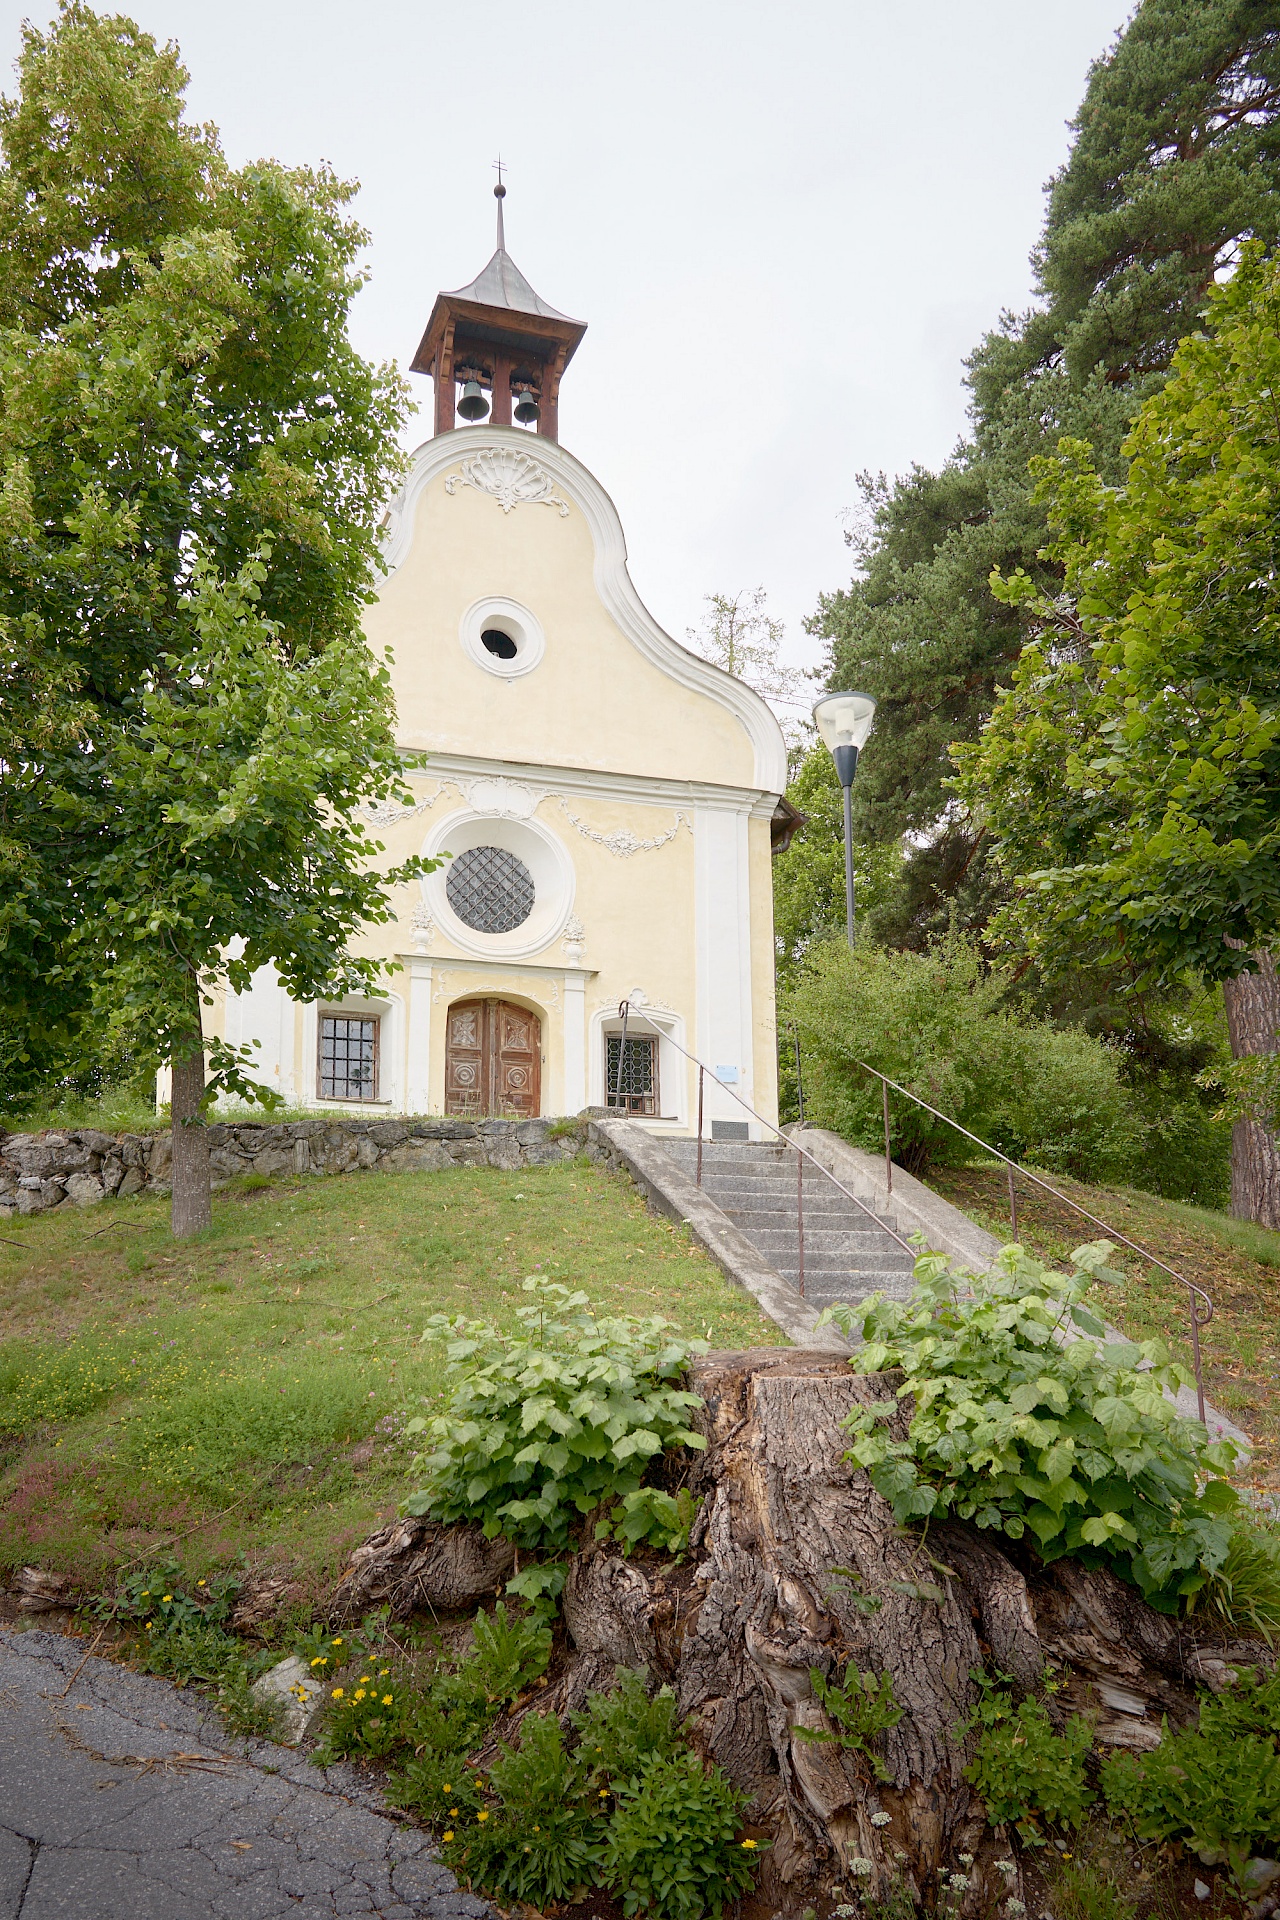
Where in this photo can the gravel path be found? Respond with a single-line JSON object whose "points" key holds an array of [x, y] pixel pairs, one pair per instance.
{"points": [[122, 1798]]}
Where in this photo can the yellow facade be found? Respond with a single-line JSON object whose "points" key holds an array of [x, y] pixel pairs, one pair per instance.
{"points": [[626, 785]]}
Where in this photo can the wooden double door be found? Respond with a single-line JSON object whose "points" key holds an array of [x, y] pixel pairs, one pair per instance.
{"points": [[493, 1060]]}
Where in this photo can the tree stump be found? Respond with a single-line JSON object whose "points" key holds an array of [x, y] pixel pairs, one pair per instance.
{"points": [[796, 1564]]}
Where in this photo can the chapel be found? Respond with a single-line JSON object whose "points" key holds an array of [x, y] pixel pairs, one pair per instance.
{"points": [[608, 801]]}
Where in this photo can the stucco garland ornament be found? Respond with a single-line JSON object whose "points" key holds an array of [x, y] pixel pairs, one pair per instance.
{"points": [[623, 842], [386, 813], [509, 477]]}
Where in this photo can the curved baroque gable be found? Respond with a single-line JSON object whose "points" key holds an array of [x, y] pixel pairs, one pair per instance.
{"points": [[521, 472]]}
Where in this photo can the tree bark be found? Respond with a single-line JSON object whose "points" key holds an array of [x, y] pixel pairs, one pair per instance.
{"points": [[191, 1199], [1253, 1023]]}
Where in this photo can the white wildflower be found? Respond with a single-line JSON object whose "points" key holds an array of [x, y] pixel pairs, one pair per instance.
{"points": [[1006, 1866], [966, 1859], [1015, 1906], [861, 1867], [959, 1882], [879, 1819]]}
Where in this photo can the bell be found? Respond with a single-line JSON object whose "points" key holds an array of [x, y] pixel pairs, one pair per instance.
{"points": [[473, 405], [527, 408]]}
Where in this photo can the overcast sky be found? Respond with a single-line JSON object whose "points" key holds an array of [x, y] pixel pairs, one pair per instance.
{"points": [[784, 224]]}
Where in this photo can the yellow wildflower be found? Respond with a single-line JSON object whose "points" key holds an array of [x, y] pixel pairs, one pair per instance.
{"points": [[748, 1843], [165, 1599], [448, 1787], [604, 1793], [338, 1693], [483, 1814], [453, 1813], [358, 1694], [386, 1699], [337, 1640], [446, 1836], [321, 1660]]}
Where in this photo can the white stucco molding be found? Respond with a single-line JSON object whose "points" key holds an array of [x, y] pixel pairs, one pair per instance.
{"points": [[448, 451], [463, 771]]}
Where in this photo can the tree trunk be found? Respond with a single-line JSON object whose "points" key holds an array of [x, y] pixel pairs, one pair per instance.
{"points": [[191, 1201], [1253, 1022], [796, 1563]]}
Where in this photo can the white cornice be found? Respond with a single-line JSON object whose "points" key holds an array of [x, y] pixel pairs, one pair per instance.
{"points": [[613, 582], [592, 783]]}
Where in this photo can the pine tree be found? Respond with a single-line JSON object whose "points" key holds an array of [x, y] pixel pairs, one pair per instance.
{"points": [[1175, 162]]}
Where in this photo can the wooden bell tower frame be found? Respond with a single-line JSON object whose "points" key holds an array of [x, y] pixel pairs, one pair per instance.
{"points": [[504, 346]]}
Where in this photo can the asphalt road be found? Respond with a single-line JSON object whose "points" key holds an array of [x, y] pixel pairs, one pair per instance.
{"points": [[122, 1798]]}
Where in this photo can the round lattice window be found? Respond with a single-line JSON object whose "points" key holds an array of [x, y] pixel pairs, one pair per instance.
{"points": [[490, 889]]}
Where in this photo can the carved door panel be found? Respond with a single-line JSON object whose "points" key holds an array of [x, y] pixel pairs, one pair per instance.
{"points": [[493, 1053]]}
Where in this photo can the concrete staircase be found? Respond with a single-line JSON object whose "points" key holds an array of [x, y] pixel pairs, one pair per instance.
{"points": [[847, 1253]]}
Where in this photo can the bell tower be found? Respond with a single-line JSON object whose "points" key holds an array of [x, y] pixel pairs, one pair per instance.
{"points": [[501, 344]]}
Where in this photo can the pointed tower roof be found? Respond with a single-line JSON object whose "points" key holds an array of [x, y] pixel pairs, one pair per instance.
{"points": [[499, 329]]}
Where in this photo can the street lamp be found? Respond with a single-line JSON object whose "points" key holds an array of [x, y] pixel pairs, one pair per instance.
{"points": [[844, 721]]}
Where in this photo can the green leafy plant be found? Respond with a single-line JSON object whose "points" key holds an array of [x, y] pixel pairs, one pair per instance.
{"points": [[1022, 1769], [863, 1707], [542, 1842], [366, 1714], [652, 1518], [1214, 1786], [1245, 1589], [1017, 1426], [674, 1848], [509, 1652], [540, 1587], [618, 1731], [554, 1420]]}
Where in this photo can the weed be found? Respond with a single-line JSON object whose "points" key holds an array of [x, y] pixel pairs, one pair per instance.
{"points": [[509, 1653], [863, 1708], [1214, 1786], [1085, 1891], [541, 1843], [674, 1848], [1245, 1589], [1022, 1769], [618, 1731]]}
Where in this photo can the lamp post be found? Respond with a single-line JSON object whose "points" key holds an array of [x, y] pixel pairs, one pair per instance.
{"points": [[844, 721]]}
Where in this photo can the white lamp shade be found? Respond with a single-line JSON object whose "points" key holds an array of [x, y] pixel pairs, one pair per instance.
{"points": [[844, 719]]}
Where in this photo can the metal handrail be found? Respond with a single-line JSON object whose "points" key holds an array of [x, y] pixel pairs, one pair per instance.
{"points": [[1194, 1292], [803, 1153]]}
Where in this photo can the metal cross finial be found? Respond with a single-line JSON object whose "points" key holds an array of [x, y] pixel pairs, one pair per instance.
{"points": [[499, 169], [500, 194]]}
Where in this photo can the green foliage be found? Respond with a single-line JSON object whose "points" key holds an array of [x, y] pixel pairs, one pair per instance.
{"points": [[808, 879], [193, 465], [1023, 1770], [543, 1841], [652, 1518], [1214, 1786], [1086, 1890], [618, 1731], [540, 1587], [938, 1023], [1132, 771], [185, 1636], [1012, 1427], [509, 1653], [1245, 1590], [552, 1421], [1166, 178], [673, 1848], [863, 1707], [367, 1713]]}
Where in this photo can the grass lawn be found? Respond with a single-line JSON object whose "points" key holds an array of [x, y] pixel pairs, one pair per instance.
{"points": [[235, 1399], [1236, 1263]]}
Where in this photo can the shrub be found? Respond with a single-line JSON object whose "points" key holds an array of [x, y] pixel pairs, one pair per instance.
{"points": [[673, 1848], [1023, 1770], [542, 1842], [936, 1023], [1072, 1441], [618, 1731], [552, 1421]]}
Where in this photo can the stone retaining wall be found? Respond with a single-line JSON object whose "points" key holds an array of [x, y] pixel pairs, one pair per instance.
{"points": [[81, 1166]]}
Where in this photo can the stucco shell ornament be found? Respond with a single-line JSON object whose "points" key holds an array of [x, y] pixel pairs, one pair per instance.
{"points": [[509, 477]]}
